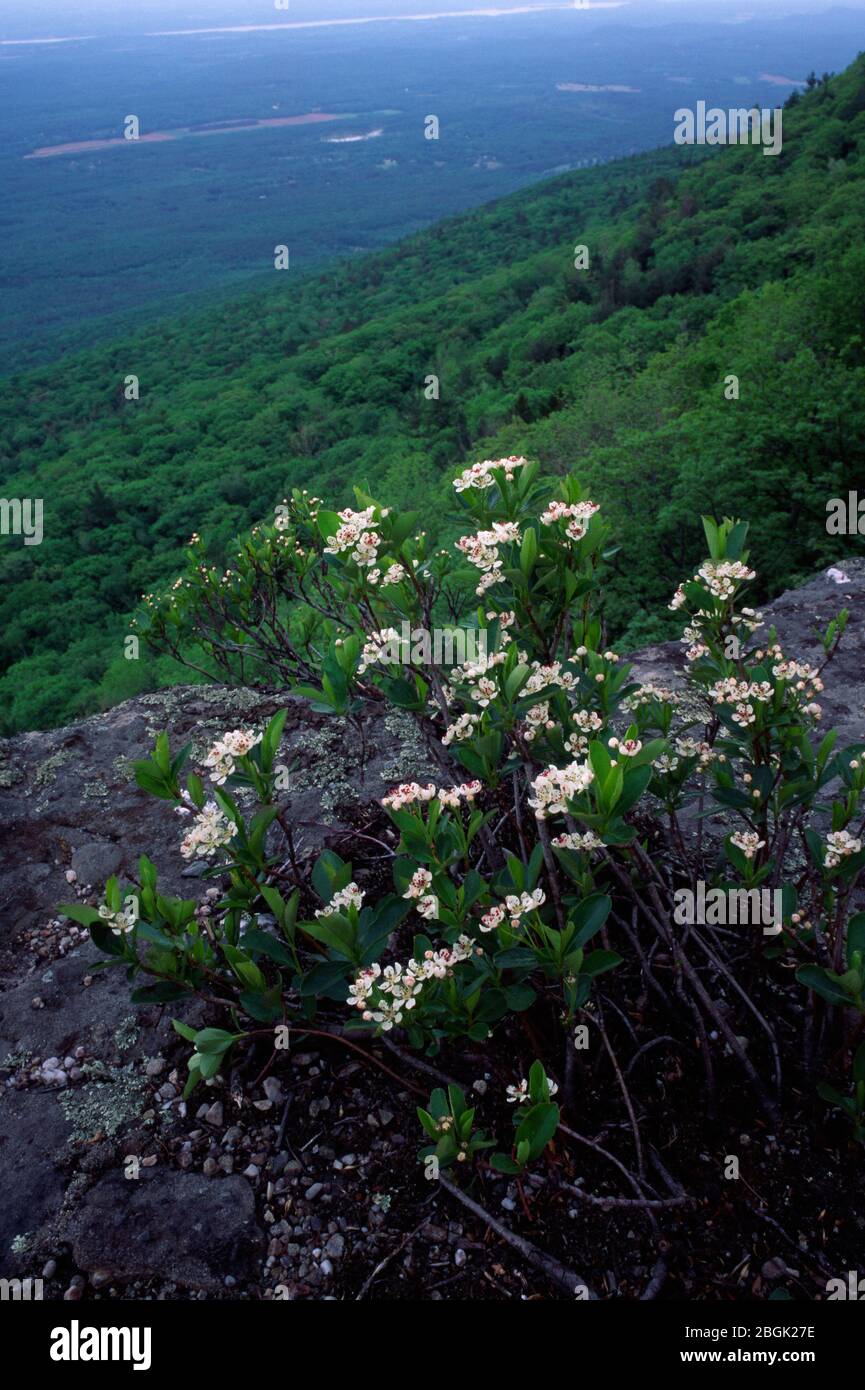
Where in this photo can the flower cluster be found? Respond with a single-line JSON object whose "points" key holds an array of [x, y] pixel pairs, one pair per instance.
{"points": [[480, 475], [577, 515], [588, 721], [584, 843], [376, 646], [211, 830], [122, 921], [721, 579], [452, 796], [731, 691], [350, 896], [411, 793], [748, 841], [694, 748], [354, 536], [840, 844], [384, 995], [649, 694], [418, 884], [514, 908], [394, 574], [555, 786], [518, 1095], [462, 728], [221, 757], [526, 902], [406, 794], [481, 550]]}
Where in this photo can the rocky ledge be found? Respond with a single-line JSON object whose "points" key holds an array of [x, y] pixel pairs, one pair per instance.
{"points": [[113, 1185]]}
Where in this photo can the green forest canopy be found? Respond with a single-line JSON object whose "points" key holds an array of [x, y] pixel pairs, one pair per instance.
{"points": [[703, 264]]}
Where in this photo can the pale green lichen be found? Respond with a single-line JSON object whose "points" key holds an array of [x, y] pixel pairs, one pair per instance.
{"points": [[105, 1106], [127, 1032], [17, 1060], [411, 760], [47, 770], [95, 791], [333, 775], [9, 774]]}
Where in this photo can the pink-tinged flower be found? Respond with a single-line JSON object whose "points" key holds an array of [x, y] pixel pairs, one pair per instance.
{"points": [[580, 843], [748, 841], [840, 844], [554, 786], [350, 896], [629, 747], [492, 919], [211, 830], [480, 475], [221, 757], [418, 884]]}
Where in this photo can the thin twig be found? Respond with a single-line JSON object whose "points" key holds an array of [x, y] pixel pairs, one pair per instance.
{"points": [[548, 1265]]}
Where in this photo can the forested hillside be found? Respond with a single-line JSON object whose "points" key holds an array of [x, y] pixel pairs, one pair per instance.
{"points": [[702, 265]]}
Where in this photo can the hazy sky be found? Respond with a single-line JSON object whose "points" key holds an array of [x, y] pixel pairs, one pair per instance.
{"points": [[134, 13], [40, 18]]}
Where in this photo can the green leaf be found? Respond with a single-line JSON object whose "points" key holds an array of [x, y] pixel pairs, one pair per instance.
{"points": [[428, 1123], [87, 916], [597, 962], [589, 916], [266, 945], [815, 977], [538, 1128], [503, 1164], [149, 932], [213, 1040], [325, 874], [856, 935], [529, 551]]}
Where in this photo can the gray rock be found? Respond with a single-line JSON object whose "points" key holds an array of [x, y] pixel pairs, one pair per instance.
{"points": [[97, 861], [33, 1137], [179, 1226]]}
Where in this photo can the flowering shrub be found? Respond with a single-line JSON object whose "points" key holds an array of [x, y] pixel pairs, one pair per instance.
{"points": [[536, 1121], [556, 769], [449, 1122]]}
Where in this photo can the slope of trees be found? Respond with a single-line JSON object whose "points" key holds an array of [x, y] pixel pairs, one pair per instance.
{"points": [[703, 266]]}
